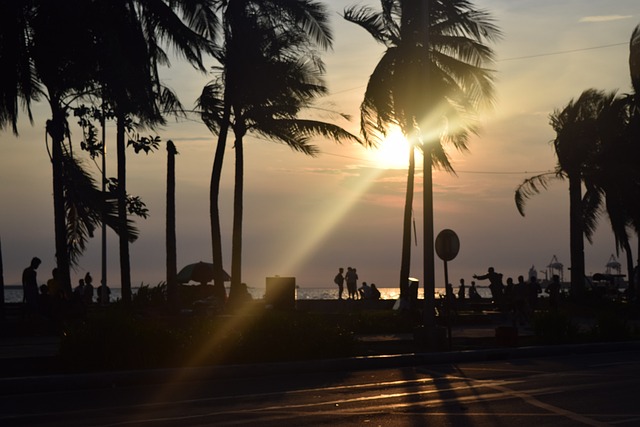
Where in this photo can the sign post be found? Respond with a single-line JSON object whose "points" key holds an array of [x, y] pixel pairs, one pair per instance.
{"points": [[447, 247]]}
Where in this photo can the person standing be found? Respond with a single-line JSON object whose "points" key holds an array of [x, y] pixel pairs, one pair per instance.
{"points": [[520, 302], [461, 290], [88, 289], [30, 287], [495, 285], [534, 290], [339, 280], [352, 282], [473, 292], [553, 289]]}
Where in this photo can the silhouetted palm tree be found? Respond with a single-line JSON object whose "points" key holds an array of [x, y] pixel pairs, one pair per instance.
{"points": [[172, 269], [129, 43], [39, 44], [273, 40], [577, 145], [431, 82], [616, 175]]}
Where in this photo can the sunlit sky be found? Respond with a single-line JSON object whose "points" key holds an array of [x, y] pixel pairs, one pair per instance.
{"points": [[305, 217]]}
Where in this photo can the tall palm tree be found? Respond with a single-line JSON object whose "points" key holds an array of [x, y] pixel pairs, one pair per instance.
{"points": [[577, 144], [41, 40], [432, 83], [615, 175], [172, 270], [273, 40], [131, 52]]}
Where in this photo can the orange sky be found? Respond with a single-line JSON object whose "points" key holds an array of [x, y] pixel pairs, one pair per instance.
{"points": [[305, 217]]}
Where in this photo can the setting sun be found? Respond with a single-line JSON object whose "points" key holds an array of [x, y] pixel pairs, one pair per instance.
{"points": [[393, 152]]}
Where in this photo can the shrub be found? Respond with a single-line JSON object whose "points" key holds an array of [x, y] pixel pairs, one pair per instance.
{"points": [[114, 339], [611, 326], [554, 327]]}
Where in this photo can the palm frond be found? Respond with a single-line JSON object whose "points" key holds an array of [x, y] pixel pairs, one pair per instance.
{"points": [[591, 211], [84, 204], [532, 186], [634, 60], [374, 22]]}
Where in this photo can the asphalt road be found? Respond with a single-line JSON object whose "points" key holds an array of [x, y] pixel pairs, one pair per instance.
{"points": [[564, 390]]}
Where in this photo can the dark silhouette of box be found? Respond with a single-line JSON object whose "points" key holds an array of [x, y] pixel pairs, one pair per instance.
{"points": [[280, 292]]}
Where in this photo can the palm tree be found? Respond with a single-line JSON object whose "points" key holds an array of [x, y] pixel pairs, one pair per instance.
{"points": [[273, 40], [431, 82], [172, 270], [615, 174], [130, 55], [577, 144], [41, 41]]}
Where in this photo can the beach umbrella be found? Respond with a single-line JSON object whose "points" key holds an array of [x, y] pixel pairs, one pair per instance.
{"points": [[199, 272]]}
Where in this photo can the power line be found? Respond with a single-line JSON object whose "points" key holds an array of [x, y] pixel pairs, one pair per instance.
{"points": [[560, 52], [517, 58]]}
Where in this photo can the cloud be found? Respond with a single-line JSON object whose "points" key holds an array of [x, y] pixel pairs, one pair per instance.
{"points": [[604, 18]]}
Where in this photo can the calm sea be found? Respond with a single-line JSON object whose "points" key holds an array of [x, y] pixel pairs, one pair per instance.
{"points": [[13, 293]]}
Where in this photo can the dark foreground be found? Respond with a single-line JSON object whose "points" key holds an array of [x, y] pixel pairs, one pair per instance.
{"points": [[312, 330], [574, 388]]}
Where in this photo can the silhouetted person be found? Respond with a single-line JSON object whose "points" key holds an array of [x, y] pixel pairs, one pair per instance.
{"points": [[508, 295], [365, 291], [450, 299], [473, 292], [375, 293], [339, 280], [88, 289], [553, 289], [30, 287], [495, 284], [461, 290], [55, 286], [78, 291], [520, 298], [352, 282], [534, 290]]}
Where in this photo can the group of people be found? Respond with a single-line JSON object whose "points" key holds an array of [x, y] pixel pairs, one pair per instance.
{"points": [[350, 278], [53, 299], [520, 298]]}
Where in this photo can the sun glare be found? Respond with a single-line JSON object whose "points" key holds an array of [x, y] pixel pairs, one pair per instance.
{"points": [[393, 152]]}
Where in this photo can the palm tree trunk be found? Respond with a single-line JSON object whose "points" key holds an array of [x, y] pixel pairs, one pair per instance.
{"points": [[55, 128], [103, 257], [125, 266], [429, 244], [172, 269], [1, 284], [214, 195], [405, 261], [576, 236], [629, 255], [236, 243]]}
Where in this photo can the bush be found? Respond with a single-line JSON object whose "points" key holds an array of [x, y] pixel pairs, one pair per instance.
{"points": [[114, 339], [611, 326], [554, 327], [380, 321]]}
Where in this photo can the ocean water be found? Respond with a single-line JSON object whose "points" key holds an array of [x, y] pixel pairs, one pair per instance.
{"points": [[13, 293]]}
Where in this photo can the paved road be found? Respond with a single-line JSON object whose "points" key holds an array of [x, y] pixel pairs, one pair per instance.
{"points": [[566, 390]]}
